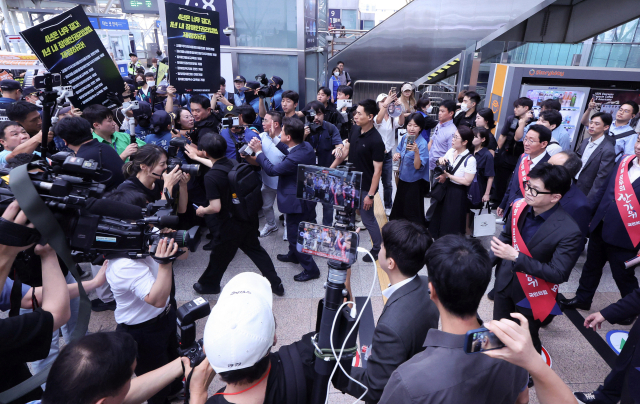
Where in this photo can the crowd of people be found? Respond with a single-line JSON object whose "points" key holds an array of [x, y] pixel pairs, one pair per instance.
{"points": [[446, 160]]}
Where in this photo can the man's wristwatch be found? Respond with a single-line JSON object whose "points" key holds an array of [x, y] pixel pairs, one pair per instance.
{"points": [[370, 196]]}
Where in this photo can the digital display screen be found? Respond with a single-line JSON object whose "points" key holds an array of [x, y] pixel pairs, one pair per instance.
{"points": [[139, 6]]}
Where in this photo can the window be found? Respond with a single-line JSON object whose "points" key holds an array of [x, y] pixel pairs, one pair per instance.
{"points": [[350, 19], [273, 29], [283, 66]]}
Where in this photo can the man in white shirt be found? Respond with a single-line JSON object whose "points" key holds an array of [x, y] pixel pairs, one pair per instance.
{"points": [[408, 314], [272, 125], [144, 307], [387, 126], [624, 135]]}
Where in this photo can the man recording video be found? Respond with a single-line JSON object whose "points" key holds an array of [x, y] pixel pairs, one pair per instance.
{"points": [[406, 317], [296, 151], [27, 338], [275, 88], [229, 232]]}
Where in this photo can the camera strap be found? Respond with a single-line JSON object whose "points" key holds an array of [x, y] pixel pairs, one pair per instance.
{"points": [[46, 223]]}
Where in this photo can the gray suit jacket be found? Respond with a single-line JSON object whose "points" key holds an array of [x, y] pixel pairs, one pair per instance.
{"points": [[595, 172], [401, 331]]}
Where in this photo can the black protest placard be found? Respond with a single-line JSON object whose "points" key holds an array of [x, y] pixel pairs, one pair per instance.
{"points": [[68, 44], [194, 49]]}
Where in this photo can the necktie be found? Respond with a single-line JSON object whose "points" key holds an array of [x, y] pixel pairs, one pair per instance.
{"points": [[527, 165]]}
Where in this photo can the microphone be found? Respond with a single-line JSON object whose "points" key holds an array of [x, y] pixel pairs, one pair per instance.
{"points": [[120, 210]]}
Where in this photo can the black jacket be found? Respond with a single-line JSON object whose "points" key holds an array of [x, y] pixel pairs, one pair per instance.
{"points": [[401, 331], [209, 125], [595, 172], [554, 249]]}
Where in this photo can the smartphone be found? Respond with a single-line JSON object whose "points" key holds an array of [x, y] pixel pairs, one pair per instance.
{"points": [[229, 122], [411, 139], [132, 139], [39, 81], [480, 340], [329, 186], [393, 90], [328, 242]]}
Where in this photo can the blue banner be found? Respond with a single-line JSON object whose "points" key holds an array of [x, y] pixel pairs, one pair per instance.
{"points": [[94, 22]]}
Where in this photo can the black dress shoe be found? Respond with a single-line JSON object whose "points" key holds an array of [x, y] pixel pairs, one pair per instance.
{"points": [[206, 289], [287, 258], [574, 303], [367, 258], [99, 305], [281, 217], [491, 294], [208, 246], [278, 290], [305, 276], [209, 236], [627, 321]]}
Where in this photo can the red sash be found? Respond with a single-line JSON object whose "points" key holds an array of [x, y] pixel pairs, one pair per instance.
{"points": [[523, 172], [627, 201], [540, 293]]}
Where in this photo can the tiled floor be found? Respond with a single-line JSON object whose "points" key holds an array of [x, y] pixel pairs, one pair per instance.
{"points": [[574, 359]]}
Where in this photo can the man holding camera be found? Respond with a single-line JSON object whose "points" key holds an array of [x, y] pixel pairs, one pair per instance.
{"points": [[296, 152], [236, 130], [325, 139], [144, 309], [229, 232], [27, 338], [274, 90]]}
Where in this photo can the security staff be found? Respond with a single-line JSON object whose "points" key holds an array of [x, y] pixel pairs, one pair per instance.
{"points": [[238, 94], [277, 82], [615, 234], [11, 92], [134, 65]]}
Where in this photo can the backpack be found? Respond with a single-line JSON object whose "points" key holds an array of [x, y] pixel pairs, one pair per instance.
{"points": [[245, 186]]}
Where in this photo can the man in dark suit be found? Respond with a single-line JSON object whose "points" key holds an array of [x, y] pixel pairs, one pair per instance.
{"points": [[535, 152], [615, 234], [611, 390], [536, 250], [296, 151], [574, 201], [407, 316], [598, 154]]}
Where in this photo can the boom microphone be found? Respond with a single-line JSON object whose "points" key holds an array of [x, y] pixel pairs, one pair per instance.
{"points": [[120, 210]]}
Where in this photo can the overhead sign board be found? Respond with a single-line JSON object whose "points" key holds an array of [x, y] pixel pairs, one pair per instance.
{"points": [[139, 6]]}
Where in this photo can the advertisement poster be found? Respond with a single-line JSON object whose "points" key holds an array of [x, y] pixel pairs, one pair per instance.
{"points": [[213, 5], [194, 49], [610, 100], [67, 44], [310, 23]]}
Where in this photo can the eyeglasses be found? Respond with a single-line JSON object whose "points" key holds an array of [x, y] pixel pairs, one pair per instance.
{"points": [[534, 192], [456, 137], [529, 140]]}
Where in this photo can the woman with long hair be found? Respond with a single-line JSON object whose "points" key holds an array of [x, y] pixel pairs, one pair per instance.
{"points": [[484, 119], [413, 154], [147, 174], [450, 216]]}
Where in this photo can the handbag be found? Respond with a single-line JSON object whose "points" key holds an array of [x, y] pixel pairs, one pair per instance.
{"points": [[473, 192], [484, 224]]}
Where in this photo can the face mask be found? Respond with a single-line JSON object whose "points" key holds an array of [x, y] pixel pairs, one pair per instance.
{"points": [[429, 109], [464, 107], [336, 74], [140, 83], [151, 83]]}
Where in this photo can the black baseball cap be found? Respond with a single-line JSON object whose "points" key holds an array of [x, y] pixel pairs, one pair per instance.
{"points": [[251, 85], [162, 90], [230, 110], [276, 80], [160, 120], [29, 90], [133, 54], [9, 85], [240, 78], [144, 110]]}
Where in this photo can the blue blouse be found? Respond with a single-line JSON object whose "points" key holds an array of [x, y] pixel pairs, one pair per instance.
{"points": [[408, 173]]}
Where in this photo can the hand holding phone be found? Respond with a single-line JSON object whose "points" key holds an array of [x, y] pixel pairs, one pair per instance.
{"points": [[481, 340], [411, 139]]}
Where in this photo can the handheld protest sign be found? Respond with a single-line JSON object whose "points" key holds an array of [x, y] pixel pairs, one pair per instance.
{"points": [[194, 49], [68, 44]]}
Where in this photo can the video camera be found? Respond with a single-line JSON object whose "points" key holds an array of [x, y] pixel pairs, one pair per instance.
{"points": [[266, 90], [175, 145], [92, 226], [186, 321], [310, 115], [59, 95]]}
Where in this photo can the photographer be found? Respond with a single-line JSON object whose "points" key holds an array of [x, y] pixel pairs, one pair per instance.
{"points": [[147, 174], [408, 314], [104, 130], [459, 273], [325, 139], [144, 310], [238, 339], [240, 134], [346, 113], [229, 233], [76, 134], [275, 88], [27, 338], [296, 152], [223, 97], [458, 169], [206, 121]]}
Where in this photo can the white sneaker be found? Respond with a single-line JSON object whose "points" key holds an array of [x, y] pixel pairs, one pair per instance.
{"points": [[361, 225], [267, 229], [387, 212]]}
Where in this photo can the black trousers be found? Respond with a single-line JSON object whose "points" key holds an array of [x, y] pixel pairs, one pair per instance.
{"points": [[293, 221], [599, 253], [612, 389], [243, 236], [503, 170], [157, 346], [504, 305]]}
